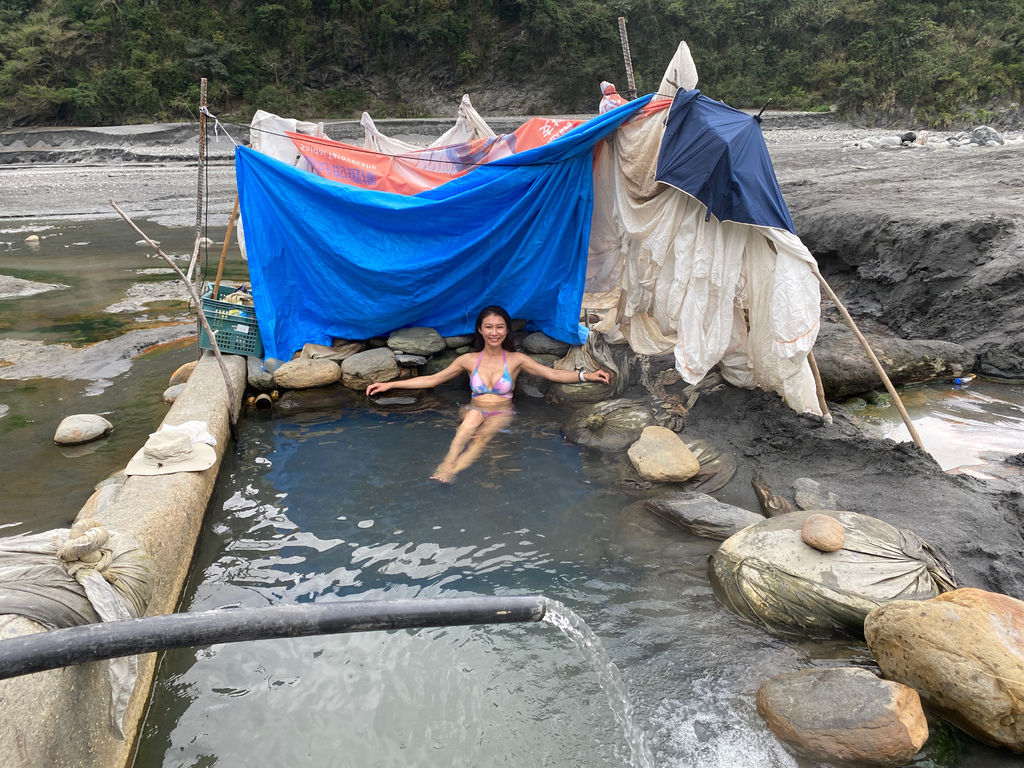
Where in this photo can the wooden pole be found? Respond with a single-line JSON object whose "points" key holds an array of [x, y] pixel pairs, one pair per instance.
{"points": [[200, 185], [819, 388], [871, 356], [232, 417], [224, 250], [631, 93]]}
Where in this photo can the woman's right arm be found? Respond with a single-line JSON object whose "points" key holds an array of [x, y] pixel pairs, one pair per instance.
{"points": [[458, 365]]}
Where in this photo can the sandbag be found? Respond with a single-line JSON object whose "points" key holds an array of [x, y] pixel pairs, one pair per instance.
{"points": [[82, 575], [767, 574], [612, 425]]}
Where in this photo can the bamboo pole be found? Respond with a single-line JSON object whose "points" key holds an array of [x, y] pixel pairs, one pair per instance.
{"points": [[627, 58], [232, 416], [199, 186], [871, 356], [224, 250], [819, 388]]}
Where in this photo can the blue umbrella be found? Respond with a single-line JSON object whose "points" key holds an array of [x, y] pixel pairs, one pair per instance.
{"points": [[717, 154]]}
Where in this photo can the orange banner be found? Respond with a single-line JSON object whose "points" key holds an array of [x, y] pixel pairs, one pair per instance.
{"points": [[414, 172]]}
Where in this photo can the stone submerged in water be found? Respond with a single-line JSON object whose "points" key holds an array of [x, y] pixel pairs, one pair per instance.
{"points": [[305, 373], [844, 716], [702, 515], [963, 651], [82, 428], [612, 425], [416, 341], [363, 369], [172, 393], [660, 456]]}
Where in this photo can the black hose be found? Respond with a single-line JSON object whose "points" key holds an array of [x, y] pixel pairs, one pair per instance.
{"points": [[95, 642]]}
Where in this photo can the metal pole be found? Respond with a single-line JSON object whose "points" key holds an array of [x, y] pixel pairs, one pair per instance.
{"points": [[627, 58], [108, 640]]}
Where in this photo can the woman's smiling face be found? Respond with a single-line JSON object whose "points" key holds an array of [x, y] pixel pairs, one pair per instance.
{"points": [[493, 329]]}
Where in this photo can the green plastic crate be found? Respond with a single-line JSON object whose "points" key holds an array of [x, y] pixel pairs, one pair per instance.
{"points": [[235, 327]]}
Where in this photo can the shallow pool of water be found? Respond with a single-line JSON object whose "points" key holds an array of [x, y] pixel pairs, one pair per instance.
{"points": [[333, 505], [94, 342], [958, 424]]}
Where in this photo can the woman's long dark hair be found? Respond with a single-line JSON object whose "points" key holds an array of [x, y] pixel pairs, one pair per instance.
{"points": [[478, 340]]}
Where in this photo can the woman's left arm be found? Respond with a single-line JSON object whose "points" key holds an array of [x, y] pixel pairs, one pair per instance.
{"points": [[529, 365]]}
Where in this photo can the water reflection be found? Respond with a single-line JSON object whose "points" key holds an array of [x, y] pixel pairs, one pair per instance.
{"points": [[958, 425], [534, 516]]}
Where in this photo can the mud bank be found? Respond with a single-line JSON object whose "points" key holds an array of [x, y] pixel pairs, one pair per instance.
{"points": [[927, 243], [977, 529]]}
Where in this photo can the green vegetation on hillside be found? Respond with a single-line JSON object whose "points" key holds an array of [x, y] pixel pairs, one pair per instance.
{"points": [[92, 62]]}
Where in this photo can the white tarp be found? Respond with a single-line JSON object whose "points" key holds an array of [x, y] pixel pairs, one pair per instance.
{"points": [[674, 279], [468, 127]]}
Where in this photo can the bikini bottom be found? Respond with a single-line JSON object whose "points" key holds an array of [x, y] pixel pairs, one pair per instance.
{"points": [[487, 414]]}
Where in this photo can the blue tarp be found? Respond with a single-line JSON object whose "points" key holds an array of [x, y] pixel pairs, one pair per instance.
{"points": [[717, 154], [329, 260]]}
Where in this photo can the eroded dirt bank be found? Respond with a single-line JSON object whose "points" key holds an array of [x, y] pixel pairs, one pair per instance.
{"points": [[927, 242]]}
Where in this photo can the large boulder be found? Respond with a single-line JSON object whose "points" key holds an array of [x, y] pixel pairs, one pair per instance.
{"points": [[846, 369], [416, 341], [81, 428], [963, 651], [767, 573], [541, 344], [612, 425], [363, 369], [702, 515], [304, 373], [844, 716], [660, 456]]}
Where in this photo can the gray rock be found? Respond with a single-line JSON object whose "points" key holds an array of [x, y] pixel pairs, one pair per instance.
{"points": [[984, 134], [809, 494], [336, 352], [410, 361], [702, 515], [305, 373], [272, 364], [438, 363], [172, 393], [82, 428], [534, 386], [416, 341], [846, 370], [455, 342], [844, 716], [258, 376], [541, 344], [365, 368]]}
